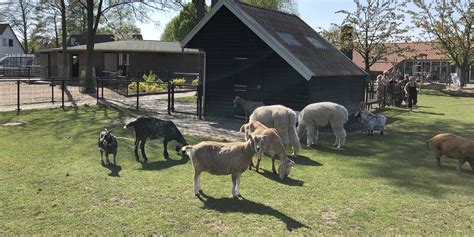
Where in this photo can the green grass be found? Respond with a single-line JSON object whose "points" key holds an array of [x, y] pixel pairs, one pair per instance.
{"points": [[51, 181]]}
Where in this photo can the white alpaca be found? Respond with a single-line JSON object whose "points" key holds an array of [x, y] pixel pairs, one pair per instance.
{"points": [[320, 114], [281, 118]]}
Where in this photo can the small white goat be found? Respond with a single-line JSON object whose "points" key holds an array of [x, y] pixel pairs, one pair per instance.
{"points": [[371, 121], [281, 118], [219, 158], [272, 146], [320, 114], [247, 105]]}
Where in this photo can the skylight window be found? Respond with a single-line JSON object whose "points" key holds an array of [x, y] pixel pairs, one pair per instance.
{"points": [[316, 43], [289, 39]]}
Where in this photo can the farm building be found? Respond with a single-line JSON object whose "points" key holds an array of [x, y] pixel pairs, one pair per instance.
{"points": [[9, 43], [270, 56], [126, 58], [420, 59]]}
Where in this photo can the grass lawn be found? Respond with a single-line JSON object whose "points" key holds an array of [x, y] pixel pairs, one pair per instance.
{"points": [[51, 181]]}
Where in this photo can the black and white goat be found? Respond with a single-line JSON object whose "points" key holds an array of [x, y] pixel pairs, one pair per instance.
{"points": [[154, 128], [108, 144], [371, 121]]}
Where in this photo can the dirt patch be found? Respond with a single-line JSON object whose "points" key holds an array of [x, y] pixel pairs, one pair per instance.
{"points": [[13, 123], [329, 217]]}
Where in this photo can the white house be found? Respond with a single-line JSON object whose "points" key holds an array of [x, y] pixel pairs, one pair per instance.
{"points": [[9, 43]]}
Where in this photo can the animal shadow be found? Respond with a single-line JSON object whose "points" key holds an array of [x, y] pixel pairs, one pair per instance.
{"points": [[114, 169], [287, 180], [304, 160], [164, 164], [242, 205]]}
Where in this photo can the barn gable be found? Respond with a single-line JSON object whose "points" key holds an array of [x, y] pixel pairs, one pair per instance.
{"points": [[290, 37]]}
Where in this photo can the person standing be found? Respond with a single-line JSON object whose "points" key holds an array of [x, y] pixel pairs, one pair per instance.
{"points": [[411, 91]]}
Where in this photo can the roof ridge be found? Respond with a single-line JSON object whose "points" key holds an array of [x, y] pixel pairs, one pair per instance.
{"points": [[265, 9]]}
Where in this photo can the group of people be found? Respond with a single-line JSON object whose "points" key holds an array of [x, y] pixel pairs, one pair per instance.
{"points": [[391, 91]]}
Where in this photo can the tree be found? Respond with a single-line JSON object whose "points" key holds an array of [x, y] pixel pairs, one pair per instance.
{"points": [[200, 6], [59, 8], [19, 14], [448, 23], [289, 6], [374, 26], [95, 11], [121, 23], [181, 25]]}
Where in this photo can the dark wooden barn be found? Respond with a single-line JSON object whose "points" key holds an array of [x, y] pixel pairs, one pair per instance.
{"points": [[270, 56]]}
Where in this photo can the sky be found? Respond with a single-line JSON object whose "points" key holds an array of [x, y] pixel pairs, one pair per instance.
{"points": [[317, 13]]}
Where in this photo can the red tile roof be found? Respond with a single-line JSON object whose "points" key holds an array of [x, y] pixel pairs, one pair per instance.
{"points": [[415, 50]]}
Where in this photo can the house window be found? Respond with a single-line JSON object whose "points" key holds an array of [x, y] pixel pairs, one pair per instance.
{"points": [[124, 59], [10, 42], [4, 42]]}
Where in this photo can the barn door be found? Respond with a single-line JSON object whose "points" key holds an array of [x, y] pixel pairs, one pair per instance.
{"points": [[247, 81]]}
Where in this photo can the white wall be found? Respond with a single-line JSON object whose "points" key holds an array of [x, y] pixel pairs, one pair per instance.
{"points": [[16, 49]]}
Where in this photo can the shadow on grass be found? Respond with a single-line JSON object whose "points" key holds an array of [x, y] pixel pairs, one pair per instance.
{"points": [[164, 164], [404, 160], [304, 160], [226, 205], [287, 181], [114, 169]]}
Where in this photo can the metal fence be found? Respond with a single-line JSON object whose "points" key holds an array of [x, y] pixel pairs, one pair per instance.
{"points": [[18, 94]]}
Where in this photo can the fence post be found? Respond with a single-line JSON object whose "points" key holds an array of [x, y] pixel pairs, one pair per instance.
{"points": [[172, 97], [62, 93], [138, 94], [169, 97], [18, 97], [102, 88], [97, 90], [52, 91], [199, 101]]}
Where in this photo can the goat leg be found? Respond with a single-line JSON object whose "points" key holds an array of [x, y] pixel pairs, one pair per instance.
{"points": [[101, 157], [115, 161], [107, 162], [259, 158], [460, 164], [273, 164], [142, 148], [165, 149], [137, 141], [197, 183]]}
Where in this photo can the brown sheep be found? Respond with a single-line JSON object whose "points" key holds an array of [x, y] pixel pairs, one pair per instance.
{"points": [[272, 146], [453, 147]]}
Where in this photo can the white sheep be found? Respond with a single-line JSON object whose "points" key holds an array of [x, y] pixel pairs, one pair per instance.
{"points": [[247, 105], [219, 158], [281, 118], [272, 146], [321, 114]]}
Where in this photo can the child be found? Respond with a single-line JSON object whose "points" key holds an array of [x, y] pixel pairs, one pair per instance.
{"points": [[412, 93]]}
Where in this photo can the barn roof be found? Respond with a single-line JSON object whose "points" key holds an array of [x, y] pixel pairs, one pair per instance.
{"points": [[145, 46], [290, 37]]}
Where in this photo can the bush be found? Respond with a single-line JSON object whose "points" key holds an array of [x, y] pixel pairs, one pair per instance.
{"points": [[178, 81], [151, 77], [151, 84], [196, 82]]}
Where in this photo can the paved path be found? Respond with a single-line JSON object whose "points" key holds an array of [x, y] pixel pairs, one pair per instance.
{"points": [[216, 128]]}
